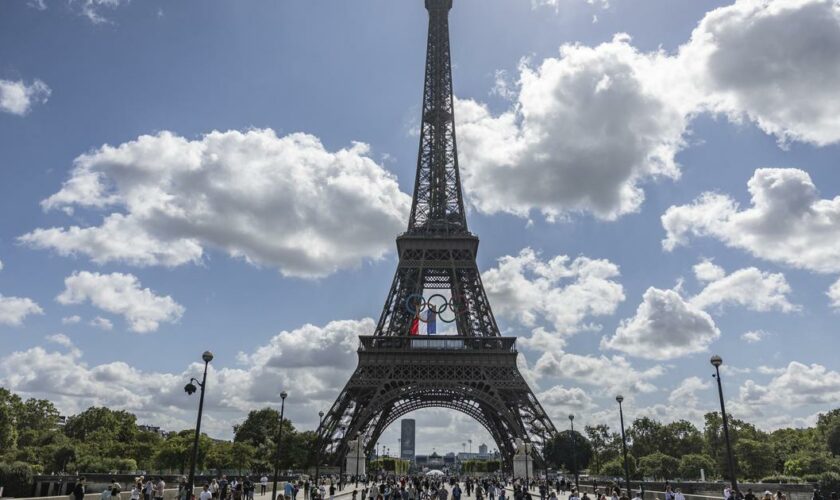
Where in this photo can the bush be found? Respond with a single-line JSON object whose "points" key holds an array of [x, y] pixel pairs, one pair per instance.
{"points": [[16, 479], [829, 482], [691, 464], [781, 479]]}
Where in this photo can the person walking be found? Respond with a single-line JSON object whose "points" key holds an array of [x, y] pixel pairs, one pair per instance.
{"points": [[160, 486], [205, 494], [263, 484], [79, 489]]}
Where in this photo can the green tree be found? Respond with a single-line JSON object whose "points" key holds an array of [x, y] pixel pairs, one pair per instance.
{"points": [[605, 445], [659, 466], [645, 435], [175, 452], [691, 464], [568, 449], [754, 458], [242, 455], [103, 424], [680, 438], [828, 426], [615, 467]]}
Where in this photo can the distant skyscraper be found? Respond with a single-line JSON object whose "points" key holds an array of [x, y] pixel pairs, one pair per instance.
{"points": [[407, 439], [482, 449]]}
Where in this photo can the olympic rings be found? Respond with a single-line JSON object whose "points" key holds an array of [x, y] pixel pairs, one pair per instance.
{"points": [[416, 303]]}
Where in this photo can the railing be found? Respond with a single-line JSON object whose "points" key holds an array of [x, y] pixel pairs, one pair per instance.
{"points": [[447, 343]]}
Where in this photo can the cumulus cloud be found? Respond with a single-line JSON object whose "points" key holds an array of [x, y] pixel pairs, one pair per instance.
{"points": [[585, 131], [750, 287], [707, 270], [560, 291], [121, 294], [787, 221], [664, 326], [71, 320], [834, 294], [13, 310], [18, 97], [312, 363], [102, 323], [685, 394], [754, 336], [771, 61], [560, 400], [278, 201], [798, 384], [556, 4], [609, 375]]}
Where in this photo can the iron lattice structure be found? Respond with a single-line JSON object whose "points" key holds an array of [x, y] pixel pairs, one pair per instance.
{"points": [[474, 370]]}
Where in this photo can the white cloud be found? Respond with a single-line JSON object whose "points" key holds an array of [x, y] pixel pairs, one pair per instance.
{"points": [[707, 270], [284, 202], [102, 323], [685, 394], [312, 363], [556, 4], [609, 375], [753, 336], [1, 265], [121, 294], [798, 384], [834, 294], [92, 9], [787, 222], [561, 291], [771, 61], [17, 98], [586, 129], [751, 288], [665, 326], [71, 320], [13, 310], [562, 400]]}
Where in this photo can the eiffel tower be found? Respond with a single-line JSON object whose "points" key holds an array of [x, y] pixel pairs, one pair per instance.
{"points": [[471, 369]]}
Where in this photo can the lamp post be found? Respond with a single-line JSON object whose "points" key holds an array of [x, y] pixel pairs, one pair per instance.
{"points": [[279, 437], [620, 398], [470, 441], [716, 362], [318, 454], [574, 451], [190, 389]]}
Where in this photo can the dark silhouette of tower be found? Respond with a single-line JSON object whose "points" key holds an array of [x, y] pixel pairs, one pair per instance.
{"points": [[471, 368]]}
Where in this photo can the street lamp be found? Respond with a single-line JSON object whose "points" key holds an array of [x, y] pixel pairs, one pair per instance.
{"points": [[574, 452], [279, 437], [318, 454], [620, 398], [716, 362], [190, 390]]}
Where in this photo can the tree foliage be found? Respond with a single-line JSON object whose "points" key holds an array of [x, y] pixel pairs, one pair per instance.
{"points": [[568, 450]]}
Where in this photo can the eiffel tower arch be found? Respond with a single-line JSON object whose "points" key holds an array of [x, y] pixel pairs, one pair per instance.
{"points": [[472, 367]]}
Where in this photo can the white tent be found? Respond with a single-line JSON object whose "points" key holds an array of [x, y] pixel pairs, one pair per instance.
{"points": [[434, 472]]}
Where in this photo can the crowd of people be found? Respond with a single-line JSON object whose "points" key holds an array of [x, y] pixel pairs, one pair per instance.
{"points": [[390, 487]]}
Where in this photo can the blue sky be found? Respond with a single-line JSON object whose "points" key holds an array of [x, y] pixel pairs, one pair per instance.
{"points": [[661, 114]]}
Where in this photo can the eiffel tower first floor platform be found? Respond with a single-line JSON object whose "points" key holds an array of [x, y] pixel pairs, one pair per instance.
{"points": [[477, 376]]}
